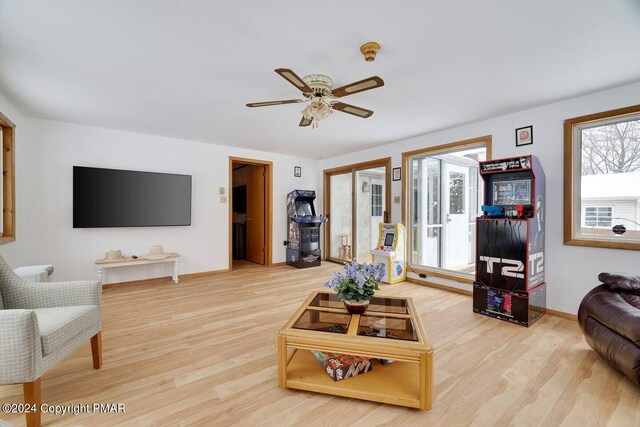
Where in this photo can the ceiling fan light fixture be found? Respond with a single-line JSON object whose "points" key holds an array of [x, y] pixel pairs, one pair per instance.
{"points": [[317, 110]]}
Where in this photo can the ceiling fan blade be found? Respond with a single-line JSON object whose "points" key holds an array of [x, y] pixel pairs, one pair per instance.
{"points": [[268, 103], [352, 109], [293, 78], [304, 121], [360, 86]]}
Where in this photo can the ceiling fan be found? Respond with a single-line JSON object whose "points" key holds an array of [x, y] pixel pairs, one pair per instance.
{"points": [[317, 90]]}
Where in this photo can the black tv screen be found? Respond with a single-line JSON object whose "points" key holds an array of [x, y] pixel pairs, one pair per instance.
{"points": [[122, 198]]}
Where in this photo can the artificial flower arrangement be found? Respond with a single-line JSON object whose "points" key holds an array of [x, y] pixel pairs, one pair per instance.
{"points": [[359, 283]]}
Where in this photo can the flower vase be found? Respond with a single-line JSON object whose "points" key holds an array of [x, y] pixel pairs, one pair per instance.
{"points": [[355, 307]]}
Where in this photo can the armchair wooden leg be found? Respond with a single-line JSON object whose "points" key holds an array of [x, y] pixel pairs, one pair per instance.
{"points": [[32, 397], [96, 350]]}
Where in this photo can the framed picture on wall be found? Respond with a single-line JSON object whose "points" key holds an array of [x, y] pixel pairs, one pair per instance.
{"points": [[297, 171], [397, 174], [524, 136]]}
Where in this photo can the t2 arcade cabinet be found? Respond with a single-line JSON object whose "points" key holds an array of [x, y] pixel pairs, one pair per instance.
{"points": [[510, 281], [303, 244], [390, 252]]}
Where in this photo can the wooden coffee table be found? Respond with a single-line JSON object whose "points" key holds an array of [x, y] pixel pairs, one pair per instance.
{"points": [[390, 329]]}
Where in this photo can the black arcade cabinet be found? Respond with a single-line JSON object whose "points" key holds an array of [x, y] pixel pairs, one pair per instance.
{"points": [[510, 283], [303, 244]]}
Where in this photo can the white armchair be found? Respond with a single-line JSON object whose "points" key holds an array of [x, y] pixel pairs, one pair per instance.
{"points": [[40, 324]]}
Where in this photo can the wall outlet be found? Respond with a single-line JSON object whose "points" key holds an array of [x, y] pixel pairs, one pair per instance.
{"points": [[396, 199], [221, 191], [223, 199]]}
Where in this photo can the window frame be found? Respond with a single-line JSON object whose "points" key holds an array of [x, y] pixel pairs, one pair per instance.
{"points": [[572, 166], [375, 197], [8, 180], [406, 159]]}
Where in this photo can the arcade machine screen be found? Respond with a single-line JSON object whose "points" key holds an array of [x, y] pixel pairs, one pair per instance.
{"points": [[388, 239], [303, 208], [512, 192]]}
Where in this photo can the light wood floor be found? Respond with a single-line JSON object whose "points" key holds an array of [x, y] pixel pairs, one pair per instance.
{"points": [[203, 352]]}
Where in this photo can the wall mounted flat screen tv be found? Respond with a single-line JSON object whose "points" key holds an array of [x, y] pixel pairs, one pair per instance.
{"points": [[123, 198]]}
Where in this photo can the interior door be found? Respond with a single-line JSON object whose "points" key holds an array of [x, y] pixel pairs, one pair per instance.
{"points": [[255, 214], [456, 196]]}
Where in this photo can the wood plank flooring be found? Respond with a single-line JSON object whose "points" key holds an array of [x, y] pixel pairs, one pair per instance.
{"points": [[203, 352]]}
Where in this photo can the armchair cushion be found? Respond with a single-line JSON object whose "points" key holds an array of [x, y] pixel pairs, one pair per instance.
{"points": [[58, 325]]}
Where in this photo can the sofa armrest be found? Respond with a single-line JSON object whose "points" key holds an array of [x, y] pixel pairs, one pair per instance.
{"points": [[58, 294], [20, 348]]}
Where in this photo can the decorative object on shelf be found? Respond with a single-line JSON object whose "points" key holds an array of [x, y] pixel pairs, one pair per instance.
{"points": [[297, 171], [357, 286], [113, 255], [524, 136], [156, 252], [370, 50], [397, 174]]}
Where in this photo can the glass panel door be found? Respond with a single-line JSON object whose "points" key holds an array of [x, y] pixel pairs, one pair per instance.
{"points": [[370, 208], [445, 198], [340, 233]]}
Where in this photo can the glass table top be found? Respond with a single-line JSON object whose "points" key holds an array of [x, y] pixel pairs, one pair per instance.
{"points": [[387, 318], [377, 304]]}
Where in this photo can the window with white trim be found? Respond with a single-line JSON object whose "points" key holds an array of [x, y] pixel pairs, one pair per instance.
{"points": [[376, 200]]}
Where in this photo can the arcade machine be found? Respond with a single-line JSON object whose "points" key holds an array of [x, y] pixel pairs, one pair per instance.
{"points": [[510, 281], [390, 252], [303, 244]]}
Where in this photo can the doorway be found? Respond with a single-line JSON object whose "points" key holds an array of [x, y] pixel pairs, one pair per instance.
{"points": [[250, 212], [357, 200]]}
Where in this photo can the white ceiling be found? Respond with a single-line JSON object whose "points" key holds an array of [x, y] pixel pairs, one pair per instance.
{"points": [[186, 69]]}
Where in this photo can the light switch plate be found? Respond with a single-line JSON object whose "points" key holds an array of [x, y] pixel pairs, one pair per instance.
{"points": [[221, 191], [223, 199], [396, 199]]}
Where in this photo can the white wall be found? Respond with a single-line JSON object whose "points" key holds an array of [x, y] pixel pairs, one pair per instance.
{"points": [[45, 154], [571, 271]]}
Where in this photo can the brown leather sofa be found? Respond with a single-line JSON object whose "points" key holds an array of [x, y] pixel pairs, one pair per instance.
{"points": [[609, 317]]}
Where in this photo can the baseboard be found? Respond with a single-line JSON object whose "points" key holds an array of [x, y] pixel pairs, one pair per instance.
{"points": [[439, 286], [156, 280], [562, 314]]}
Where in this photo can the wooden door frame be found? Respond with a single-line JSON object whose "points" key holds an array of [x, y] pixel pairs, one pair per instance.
{"points": [[268, 210], [352, 168]]}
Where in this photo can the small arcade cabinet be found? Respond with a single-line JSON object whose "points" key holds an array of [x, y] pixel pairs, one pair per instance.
{"points": [[303, 244], [390, 252], [510, 282]]}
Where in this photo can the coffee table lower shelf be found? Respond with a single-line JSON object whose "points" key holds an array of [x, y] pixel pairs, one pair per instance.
{"points": [[397, 383]]}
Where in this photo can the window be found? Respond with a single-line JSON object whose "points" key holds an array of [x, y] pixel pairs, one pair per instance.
{"points": [[7, 197], [597, 216], [602, 179], [376, 200], [444, 195]]}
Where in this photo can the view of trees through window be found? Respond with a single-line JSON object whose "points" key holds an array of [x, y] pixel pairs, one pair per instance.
{"points": [[612, 148]]}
